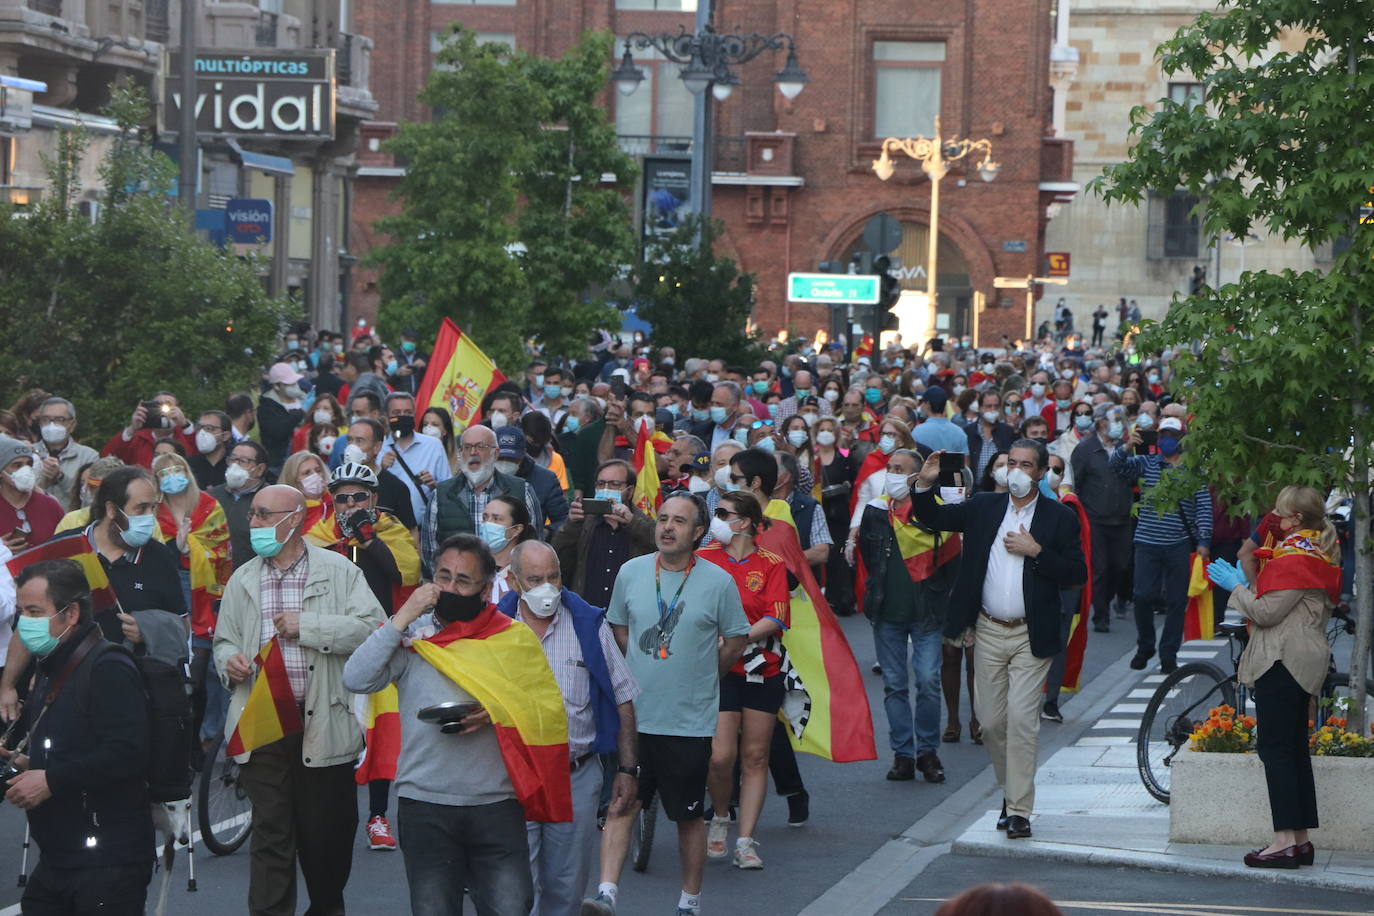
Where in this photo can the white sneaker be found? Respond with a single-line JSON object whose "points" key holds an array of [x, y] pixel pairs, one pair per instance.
{"points": [[717, 833], [746, 854]]}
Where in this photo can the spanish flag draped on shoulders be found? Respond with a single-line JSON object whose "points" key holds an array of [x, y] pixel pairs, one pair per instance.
{"points": [[1297, 562], [74, 545], [500, 662], [206, 557], [327, 533], [826, 707]]}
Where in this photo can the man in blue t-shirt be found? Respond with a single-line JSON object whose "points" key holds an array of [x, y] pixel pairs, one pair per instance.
{"points": [[681, 625]]}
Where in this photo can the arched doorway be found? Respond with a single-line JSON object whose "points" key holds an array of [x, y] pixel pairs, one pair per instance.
{"points": [[954, 314]]}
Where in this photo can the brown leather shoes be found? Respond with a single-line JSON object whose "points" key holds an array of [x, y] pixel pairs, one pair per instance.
{"points": [[1284, 858], [903, 769], [930, 767]]}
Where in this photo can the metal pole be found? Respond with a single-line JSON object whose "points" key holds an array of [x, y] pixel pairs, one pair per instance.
{"points": [[186, 185], [936, 170], [699, 197]]}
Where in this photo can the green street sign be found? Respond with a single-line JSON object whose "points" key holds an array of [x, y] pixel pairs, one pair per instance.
{"points": [[833, 289]]}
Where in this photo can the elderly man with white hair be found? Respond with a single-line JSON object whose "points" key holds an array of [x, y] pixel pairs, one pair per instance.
{"points": [[598, 693], [458, 503]]}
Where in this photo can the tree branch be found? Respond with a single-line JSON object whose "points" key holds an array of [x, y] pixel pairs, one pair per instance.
{"points": [[1257, 439]]}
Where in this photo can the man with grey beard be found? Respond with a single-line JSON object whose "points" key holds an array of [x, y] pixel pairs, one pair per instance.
{"points": [[457, 504]]}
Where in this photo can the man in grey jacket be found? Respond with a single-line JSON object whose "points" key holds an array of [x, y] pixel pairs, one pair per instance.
{"points": [[318, 607], [460, 822]]}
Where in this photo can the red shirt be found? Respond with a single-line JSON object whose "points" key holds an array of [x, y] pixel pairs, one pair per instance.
{"points": [[41, 514], [761, 579]]}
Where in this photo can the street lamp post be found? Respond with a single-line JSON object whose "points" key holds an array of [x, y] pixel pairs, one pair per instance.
{"points": [[706, 57], [936, 154]]}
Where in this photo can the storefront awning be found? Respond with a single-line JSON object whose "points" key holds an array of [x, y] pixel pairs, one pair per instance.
{"points": [[273, 165]]}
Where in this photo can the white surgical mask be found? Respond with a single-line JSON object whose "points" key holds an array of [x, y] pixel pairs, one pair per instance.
{"points": [[235, 477], [1019, 482], [355, 454], [991, 416], [312, 485], [206, 442], [722, 478], [327, 445], [797, 437], [721, 531], [542, 600], [435, 431], [324, 416], [499, 419], [825, 437], [896, 487], [810, 418], [24, 479], [1054, 478], [508, 467], [831, 395], [53, 433], [887, 444], [999, 476], [1038, 389]]}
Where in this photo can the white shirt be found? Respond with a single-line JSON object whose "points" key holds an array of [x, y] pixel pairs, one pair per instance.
{"points": [[1003, 594]]}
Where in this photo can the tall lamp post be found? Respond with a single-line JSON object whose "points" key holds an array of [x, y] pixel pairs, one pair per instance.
{"points": [[936, 155], [706, 57]]}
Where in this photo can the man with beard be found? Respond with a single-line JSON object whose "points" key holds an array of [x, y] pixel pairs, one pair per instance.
{"points": [[458, 503]]}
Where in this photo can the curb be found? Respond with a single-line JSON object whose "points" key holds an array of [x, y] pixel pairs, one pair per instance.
{"points": [[1176, 864]]}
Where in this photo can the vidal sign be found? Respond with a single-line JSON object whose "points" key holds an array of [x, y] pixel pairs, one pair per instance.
{"points": [[272, 93]]}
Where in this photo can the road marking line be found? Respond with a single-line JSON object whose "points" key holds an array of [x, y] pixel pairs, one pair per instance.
{"points": [[1141, 694], [1129, 707], [1186, 654], [1103, 740], [1153, 679], [1132, 724]]}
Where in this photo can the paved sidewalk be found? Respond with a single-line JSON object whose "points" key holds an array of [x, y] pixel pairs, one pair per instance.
{"points": [[1091, 808]]}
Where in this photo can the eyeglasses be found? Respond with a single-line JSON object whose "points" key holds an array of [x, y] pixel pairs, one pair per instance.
{"points": [[478, 448], [206, 428], [610, 484], [725, 514], [344, 499], [264, 515], [243, 462], [54, 419]]}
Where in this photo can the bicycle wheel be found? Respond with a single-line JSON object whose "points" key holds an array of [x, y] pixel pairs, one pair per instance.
{"points": [[1180, 702], [223, 811], [642, 836]]}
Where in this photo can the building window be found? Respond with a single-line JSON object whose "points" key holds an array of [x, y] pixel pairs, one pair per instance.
{"points": [[1175, 231], [1189, 95], [906, 87], [662, 106], [436, 40], [675, 5]]}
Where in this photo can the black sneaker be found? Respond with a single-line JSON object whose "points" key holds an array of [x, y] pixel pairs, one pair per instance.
{"points": [[1167, 667], [1050, 712], [798, 808], [1140, 659]]}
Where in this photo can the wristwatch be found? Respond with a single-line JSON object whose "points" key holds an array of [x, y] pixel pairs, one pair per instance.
{"points": [[629, 771]]}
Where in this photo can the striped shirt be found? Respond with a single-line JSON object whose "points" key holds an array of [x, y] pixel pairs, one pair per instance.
{"points": [[564, 652], [1167, 528], [283, 591]]}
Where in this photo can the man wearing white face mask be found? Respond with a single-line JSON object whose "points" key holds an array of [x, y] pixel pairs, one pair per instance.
{"points": [[214, 434], [59, 457], [1020, 552], [28, 516], [243, 477], [598, 693], [280, 411]]}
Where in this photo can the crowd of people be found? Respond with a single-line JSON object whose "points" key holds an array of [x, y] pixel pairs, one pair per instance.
{"points": [[951, 494]]}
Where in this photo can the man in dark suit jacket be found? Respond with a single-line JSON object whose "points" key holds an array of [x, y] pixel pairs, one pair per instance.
{"points": [[1020, 551]]}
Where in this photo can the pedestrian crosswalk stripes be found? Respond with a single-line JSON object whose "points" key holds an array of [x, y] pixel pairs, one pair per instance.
{"points": [[1121, 723]]}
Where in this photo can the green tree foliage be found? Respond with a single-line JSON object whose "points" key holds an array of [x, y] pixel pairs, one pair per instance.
{"points": [[105, 314], [695, 301], [507, 227], [1277, 366]]}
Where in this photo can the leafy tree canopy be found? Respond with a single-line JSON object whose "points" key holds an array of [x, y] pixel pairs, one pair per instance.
{"points": [[508, 228], [106, 313]]}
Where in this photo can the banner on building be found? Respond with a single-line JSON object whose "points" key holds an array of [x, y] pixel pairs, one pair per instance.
{"points": [[458, 376], [268, 93], [667, 188]]}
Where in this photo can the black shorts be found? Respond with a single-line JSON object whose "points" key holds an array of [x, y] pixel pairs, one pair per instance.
{"points": [[736, 694], [675, 769]]}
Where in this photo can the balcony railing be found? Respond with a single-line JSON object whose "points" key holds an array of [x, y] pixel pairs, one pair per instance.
{"points": [[157, 25], [267, 29], [731, 153], [51, 7]]}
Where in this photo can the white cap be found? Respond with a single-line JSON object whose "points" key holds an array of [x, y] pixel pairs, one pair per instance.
{"points": [[1171, 423]]}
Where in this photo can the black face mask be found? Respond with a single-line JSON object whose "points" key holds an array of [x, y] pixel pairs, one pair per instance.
{"points": [[453, 607], [402, 426]]}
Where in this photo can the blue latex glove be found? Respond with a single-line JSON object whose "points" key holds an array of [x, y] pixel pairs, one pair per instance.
{"points": [[1224, 575]]}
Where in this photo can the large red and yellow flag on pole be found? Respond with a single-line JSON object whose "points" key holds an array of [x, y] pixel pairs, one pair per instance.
{"points": [[1199, 619], [271, 713], [73, 546], [459, 375], [835, 722], [501, 663]]}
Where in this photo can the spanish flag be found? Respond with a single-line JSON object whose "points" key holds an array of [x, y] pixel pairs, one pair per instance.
{"points": [[922, 552], [207, 554], [325, 533], [459, 375], [648, 495], [501, 663], [271, 713], [1078, 633], [317, 511], [1297, 562], [76, 547], [1198, 620], [382, 725], [838, 724]]}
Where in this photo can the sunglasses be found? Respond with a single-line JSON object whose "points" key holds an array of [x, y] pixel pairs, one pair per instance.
{"points": [[345, 499], [725, 514]]}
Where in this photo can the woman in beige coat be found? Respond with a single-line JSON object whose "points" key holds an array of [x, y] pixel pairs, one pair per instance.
{"points": [[1286, 661]]}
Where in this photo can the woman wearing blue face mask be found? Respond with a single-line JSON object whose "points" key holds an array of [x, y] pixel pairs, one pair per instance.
{"points": [[505, 523]]}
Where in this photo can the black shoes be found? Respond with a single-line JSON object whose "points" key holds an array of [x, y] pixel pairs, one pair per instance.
{"points": [[1141, 658], [798, 808], [1050, 712], [1168, 667], [1018, 827], [903, 769], [930, 767], [1002, 818]]}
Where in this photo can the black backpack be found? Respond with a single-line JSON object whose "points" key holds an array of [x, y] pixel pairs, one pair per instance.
{"points": [[170, 721]]}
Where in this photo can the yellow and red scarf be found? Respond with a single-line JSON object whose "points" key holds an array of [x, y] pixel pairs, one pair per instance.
{"points": [[207, 557], [1297, 562]]}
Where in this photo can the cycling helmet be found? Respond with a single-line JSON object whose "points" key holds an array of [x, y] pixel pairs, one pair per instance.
{"points": [[352, 472]]}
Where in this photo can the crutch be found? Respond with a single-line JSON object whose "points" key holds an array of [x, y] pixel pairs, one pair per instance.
{"points": [[24, 862]]}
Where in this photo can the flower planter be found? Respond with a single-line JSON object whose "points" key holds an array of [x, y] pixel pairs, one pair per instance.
{"points": [[1221, 799]]}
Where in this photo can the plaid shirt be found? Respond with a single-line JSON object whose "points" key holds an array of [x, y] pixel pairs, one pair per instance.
{"points": [[283, 591]]}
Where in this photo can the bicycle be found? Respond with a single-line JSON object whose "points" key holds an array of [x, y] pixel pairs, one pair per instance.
{"points": [[223, 809], [642, 835], [1186, 697]]}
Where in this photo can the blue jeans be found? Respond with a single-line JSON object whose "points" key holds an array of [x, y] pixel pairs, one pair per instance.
{"points": [[1161, 574], [479, 847], [890, 641]]}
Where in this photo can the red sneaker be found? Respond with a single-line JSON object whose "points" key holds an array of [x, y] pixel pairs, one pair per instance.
{"points": [[379, 836]]}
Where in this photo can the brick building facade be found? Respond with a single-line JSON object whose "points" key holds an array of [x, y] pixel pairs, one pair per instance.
{"points": [[793, 180]]}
